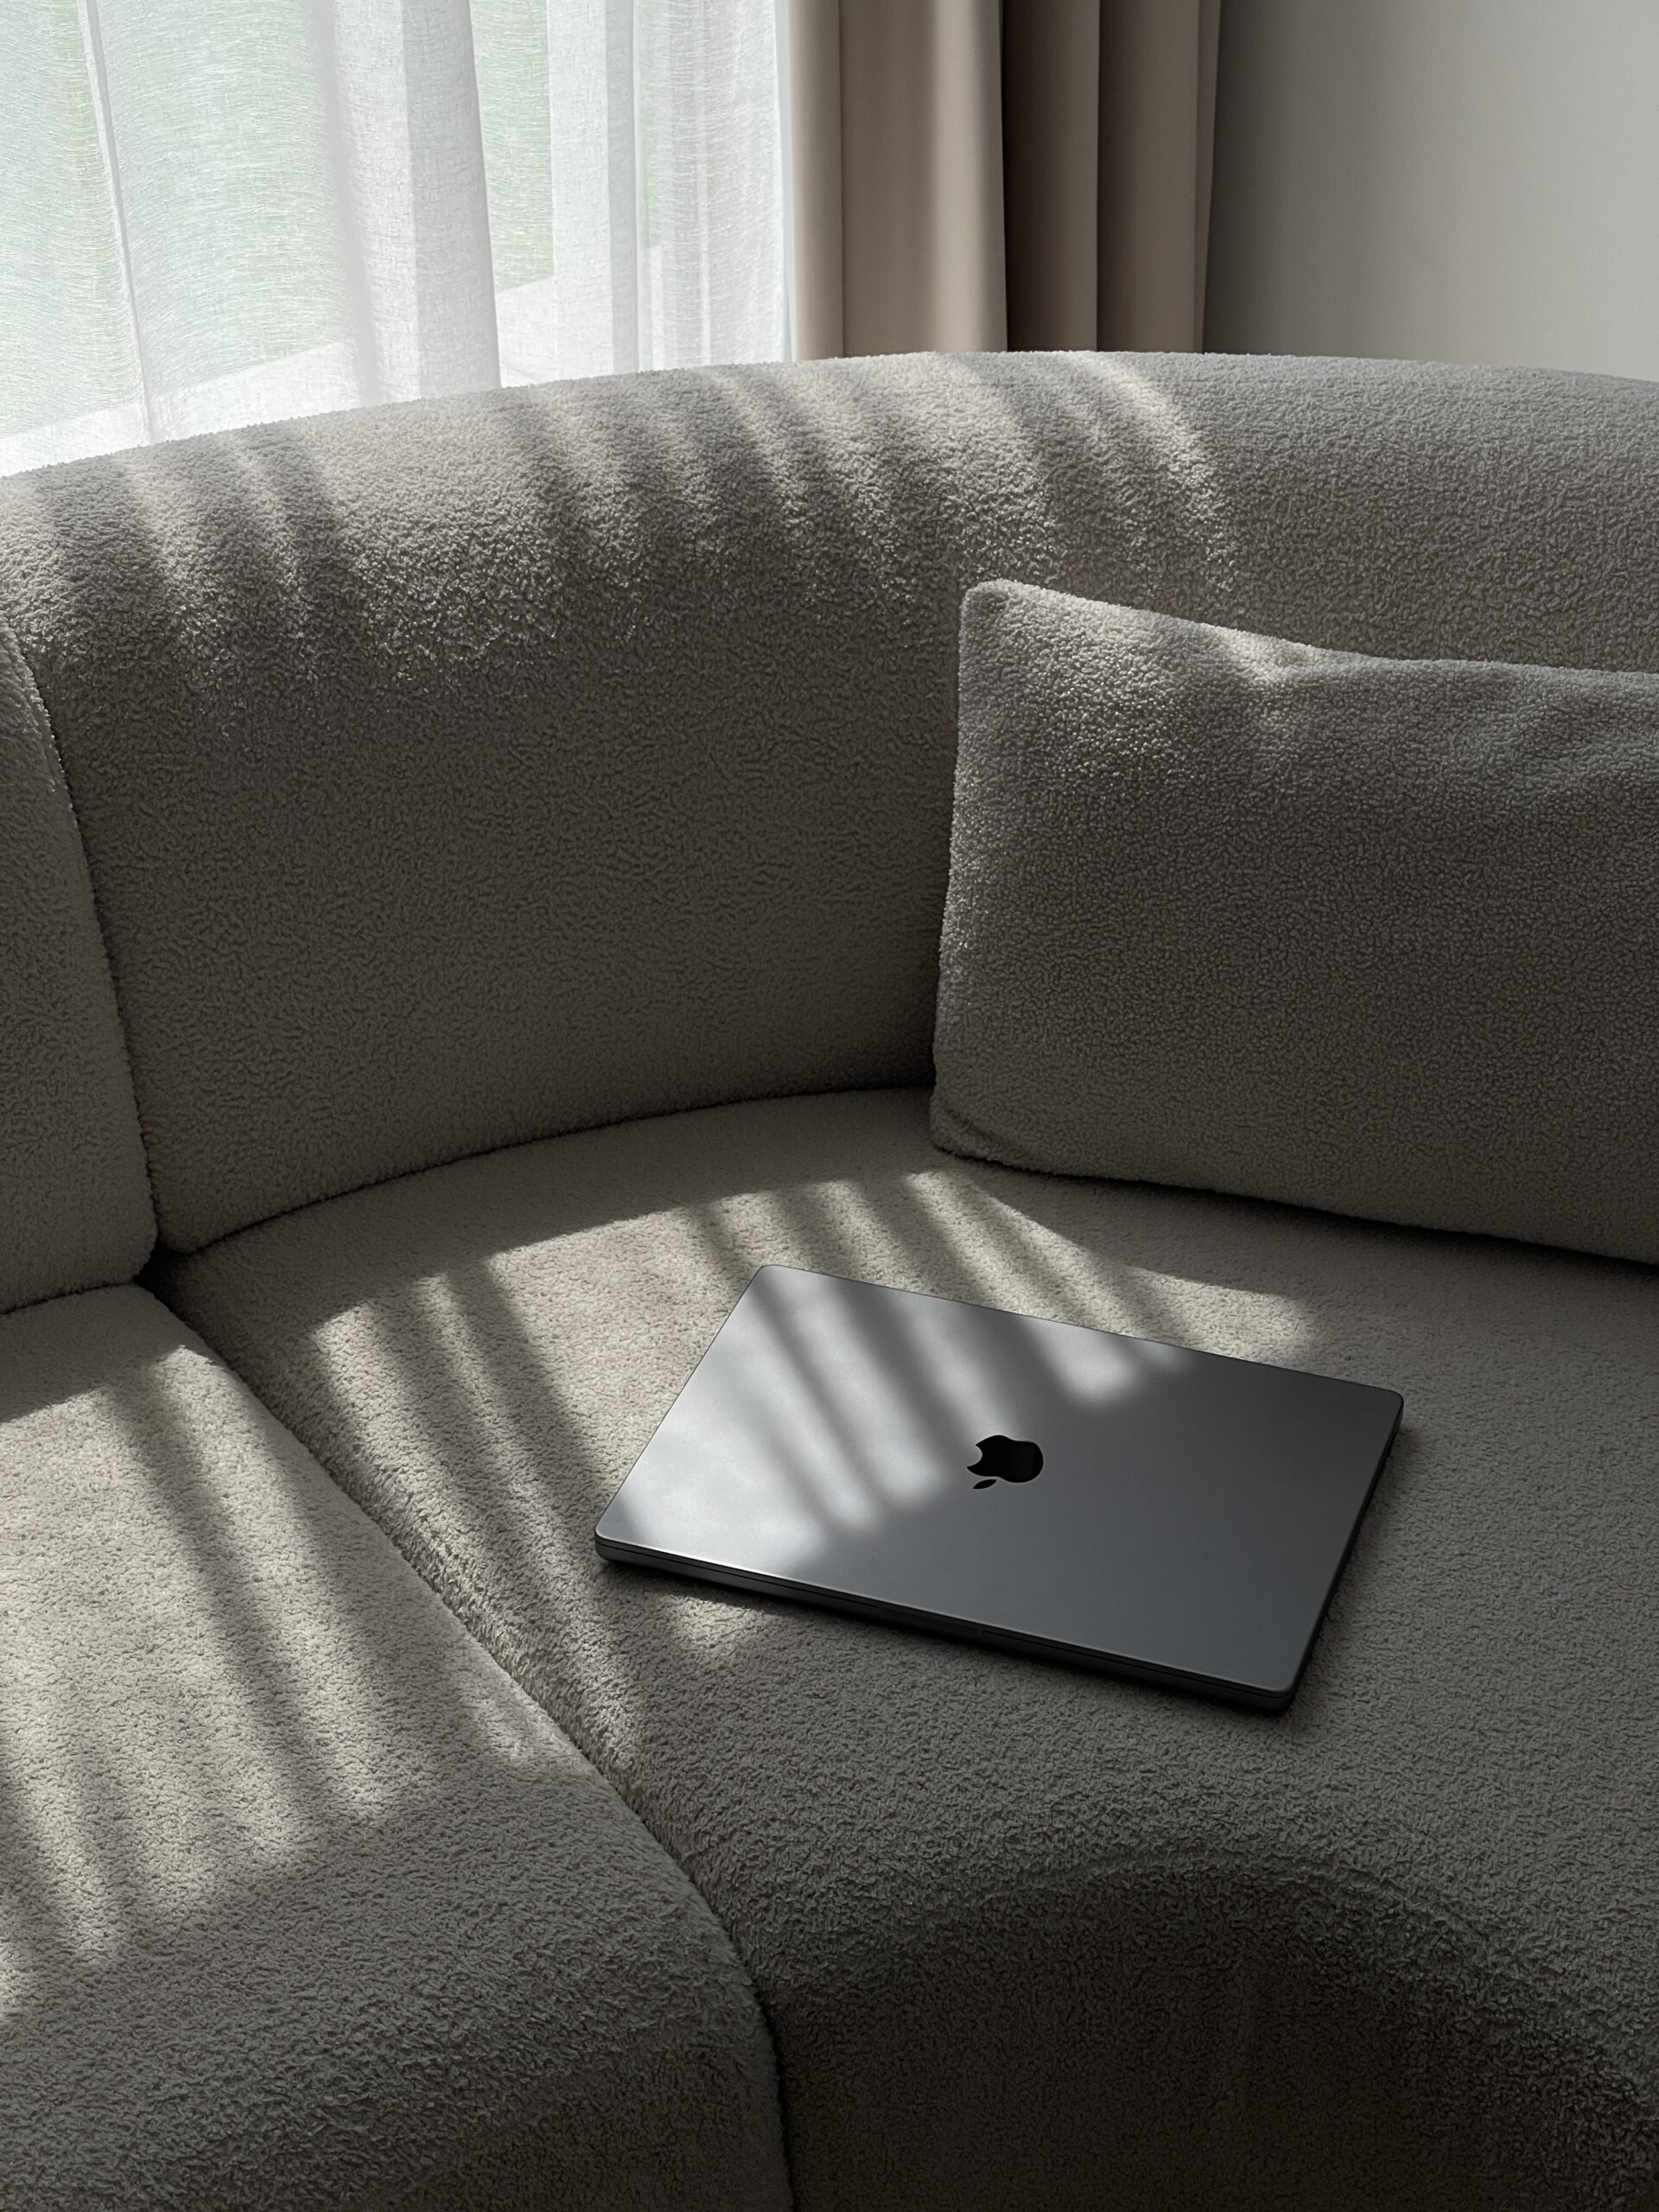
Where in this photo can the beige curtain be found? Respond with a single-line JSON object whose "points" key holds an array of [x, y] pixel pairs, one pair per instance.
{"points": [[975, 174]]}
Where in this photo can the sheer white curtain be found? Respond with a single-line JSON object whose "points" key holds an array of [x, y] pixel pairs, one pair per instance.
{"points": [[217, 211]]}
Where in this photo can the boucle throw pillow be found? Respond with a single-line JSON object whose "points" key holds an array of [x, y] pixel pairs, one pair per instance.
{"points": [[1380, 937]]}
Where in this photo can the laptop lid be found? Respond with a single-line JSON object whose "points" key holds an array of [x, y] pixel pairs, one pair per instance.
{"points": [[1172, 1515]]}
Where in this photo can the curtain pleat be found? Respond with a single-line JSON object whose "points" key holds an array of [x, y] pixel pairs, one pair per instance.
{"points": [[982, 173], [1053, 177], [218, 211], [920, 137], [399, 107], [1157, 123]]}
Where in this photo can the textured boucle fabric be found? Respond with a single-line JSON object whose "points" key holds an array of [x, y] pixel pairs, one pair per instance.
{"points": [[1377, 935], [74, 1206], [458, 773], [303, 1903], [1028, 1937]]}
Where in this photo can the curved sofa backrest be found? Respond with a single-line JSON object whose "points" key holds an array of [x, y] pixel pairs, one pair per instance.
{"points": [[74, 1206], [460, 773]]}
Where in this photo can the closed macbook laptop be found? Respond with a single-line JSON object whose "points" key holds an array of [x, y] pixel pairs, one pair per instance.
{"points": [[1167, 1514]]}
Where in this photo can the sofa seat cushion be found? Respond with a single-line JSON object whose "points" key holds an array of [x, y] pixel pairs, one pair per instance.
{"points": [[302, 1901], [1026, 1935]]}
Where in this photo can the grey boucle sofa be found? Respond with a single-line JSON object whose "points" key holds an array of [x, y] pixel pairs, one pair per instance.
{"points": [[470, 886]]}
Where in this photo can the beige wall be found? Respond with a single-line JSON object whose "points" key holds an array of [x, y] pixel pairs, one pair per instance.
{"points": [[1453, 180]]}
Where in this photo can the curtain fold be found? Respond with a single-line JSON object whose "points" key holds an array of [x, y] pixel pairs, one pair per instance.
{"points": [[218, 211], [983, 173]]}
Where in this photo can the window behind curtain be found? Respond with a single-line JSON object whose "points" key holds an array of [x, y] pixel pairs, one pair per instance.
{"points": [[217, 211]]}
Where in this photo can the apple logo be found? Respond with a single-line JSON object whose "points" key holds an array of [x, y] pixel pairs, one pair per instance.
{"points": [[1006, 1459]]}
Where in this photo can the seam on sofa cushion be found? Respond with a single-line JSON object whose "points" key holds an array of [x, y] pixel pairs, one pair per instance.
{"points": [[464, 1605], [37, 705], [96, 1217], [339, 1689]]}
